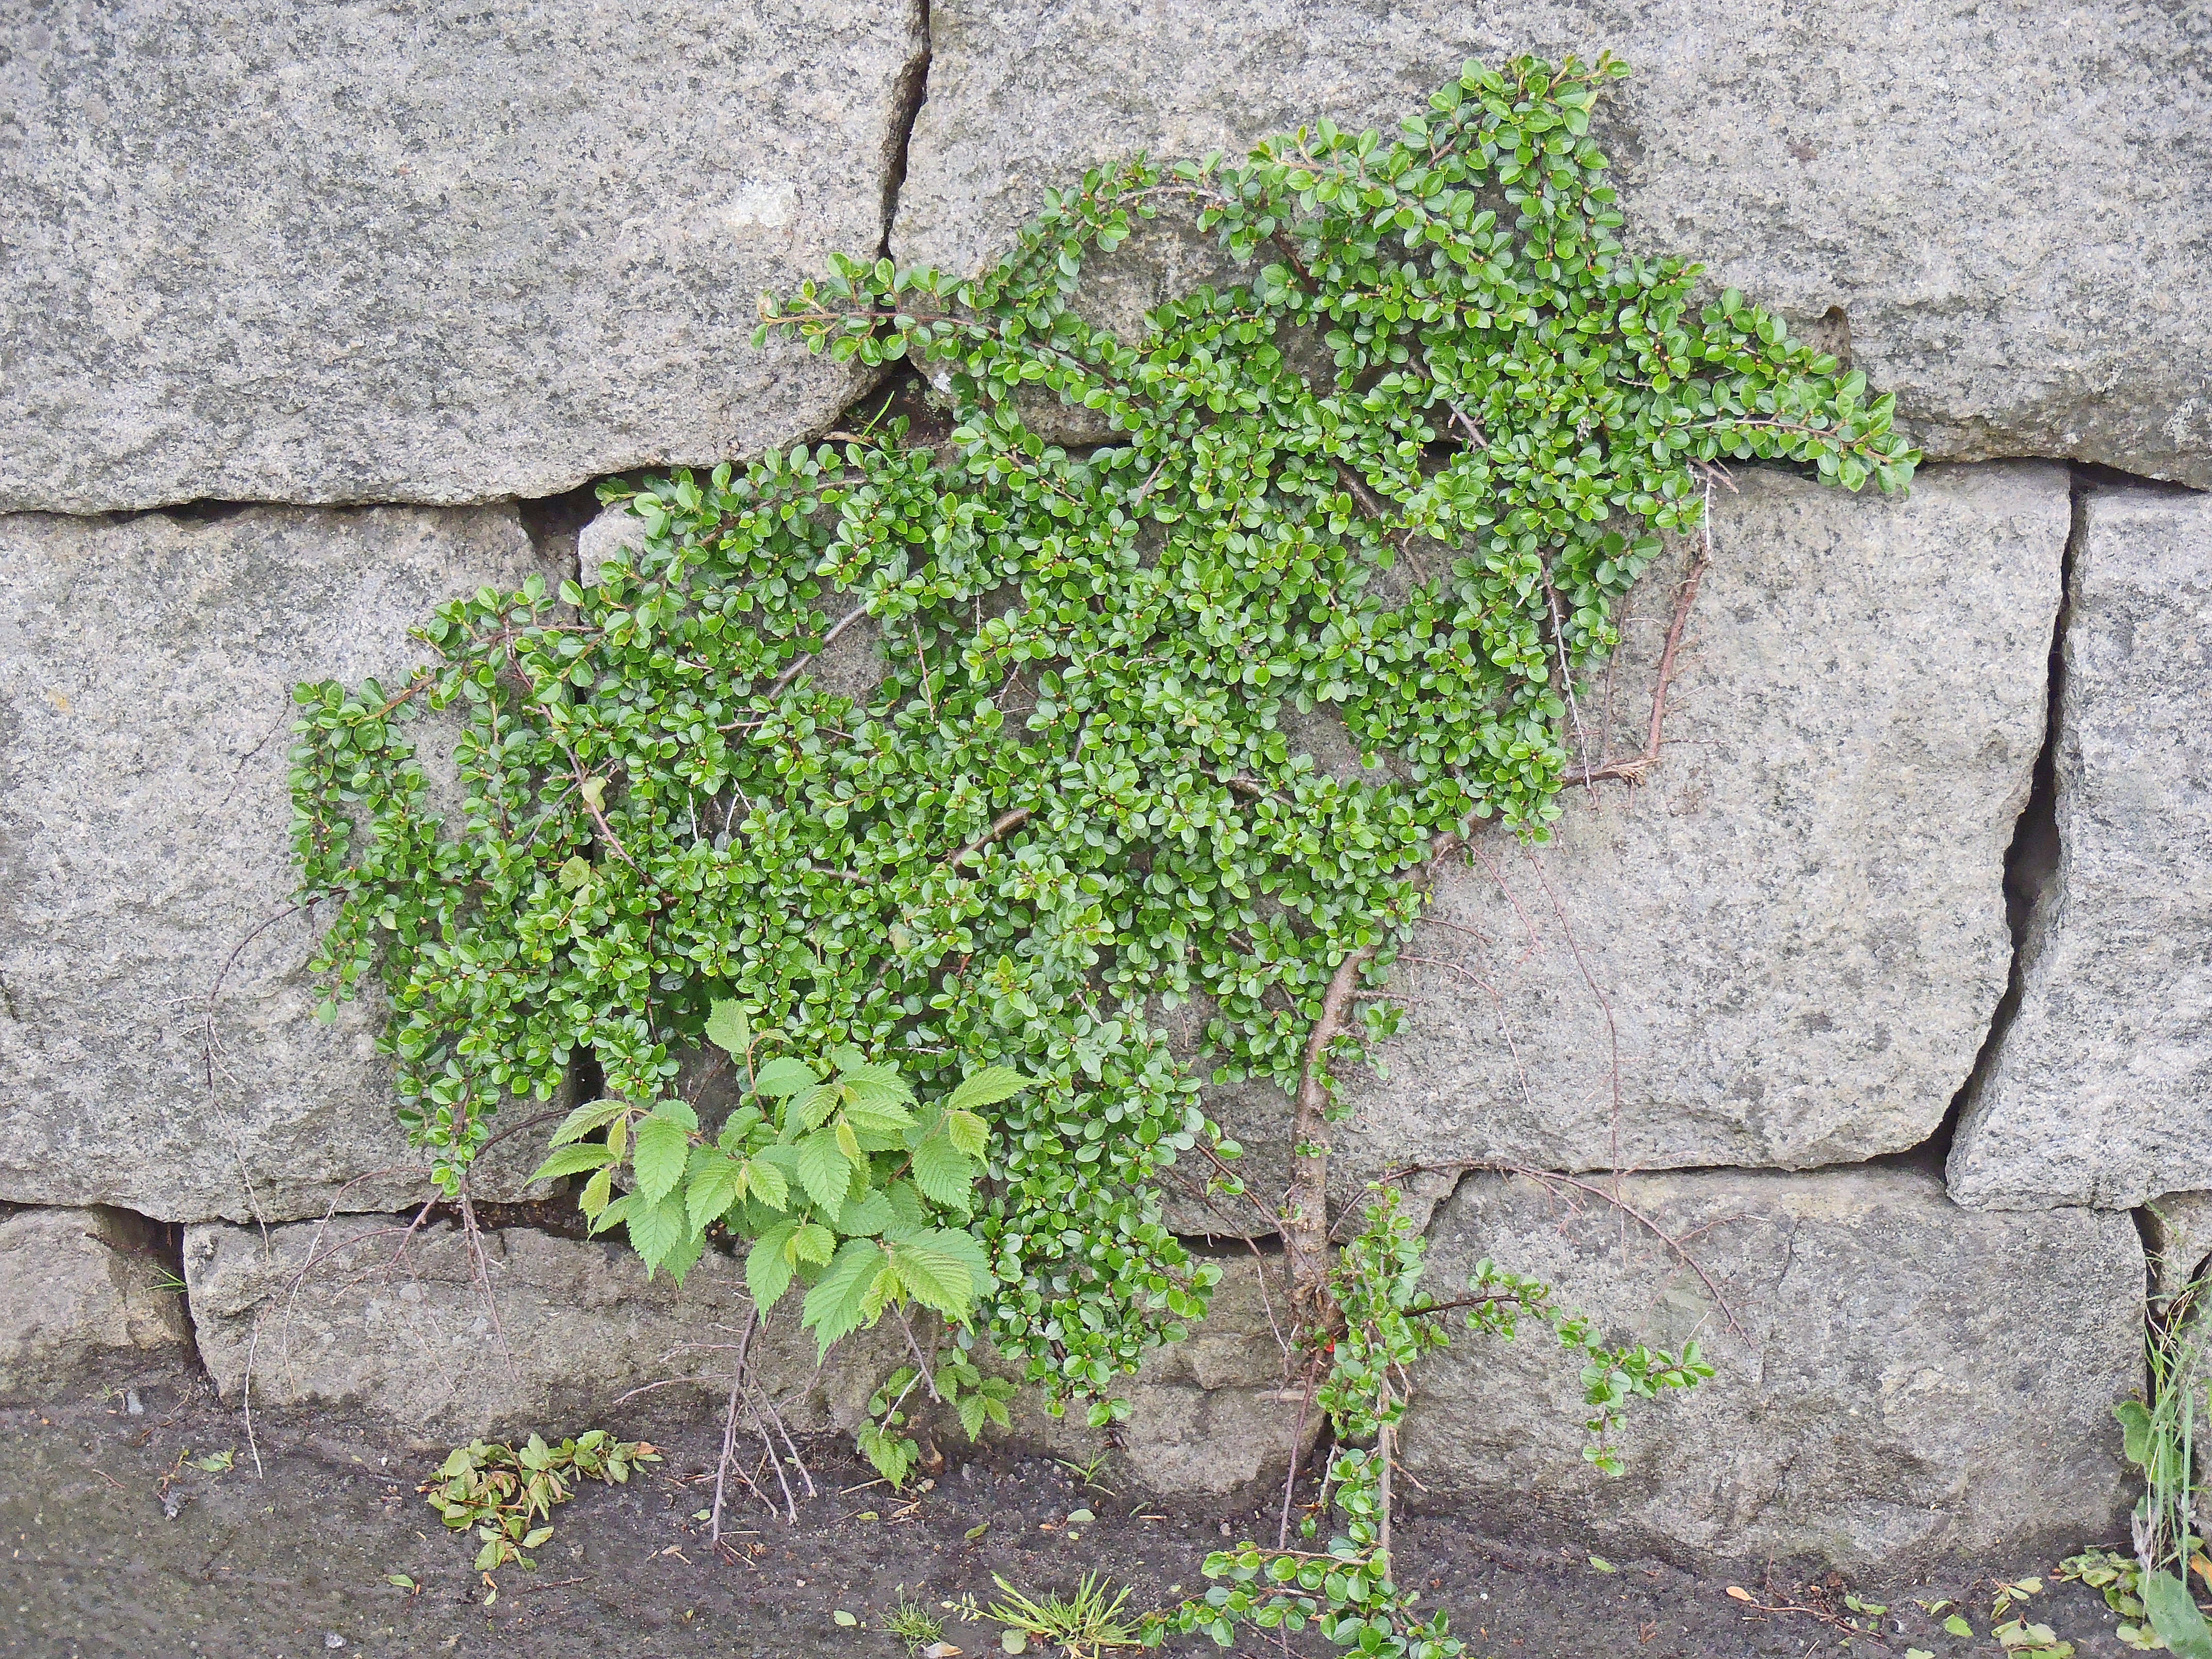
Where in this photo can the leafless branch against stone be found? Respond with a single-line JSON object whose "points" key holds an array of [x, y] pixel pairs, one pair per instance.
{"points": [[474, 1236], [1305, 1225], [245, 1395], [1634, 770], [1566, 667], [1605, 1007], [727, 1461]]}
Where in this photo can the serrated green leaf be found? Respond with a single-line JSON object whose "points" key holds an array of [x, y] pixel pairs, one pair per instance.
{"points": [[655, 1229], [593, 1198], [967, 1132], [768, 1269], [591, 1115], [572, 1160], [811, 1109], [812, 1242], [677, 1111], [867, 1215], [662, 1151], [767, 1182], [893, 1455], [617, 1211], [962, 1247], [711, 1190], [823, 1169], [909, 1214], [970, 1408], [874, 1084], [683, 1254], [937, 1278], [780, 1078], [849, 1141], [834, 1307], [727, 1028], [986, 1087], [943, 1172], [879, 1120]]}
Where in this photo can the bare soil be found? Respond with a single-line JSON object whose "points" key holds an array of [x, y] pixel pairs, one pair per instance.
{"points": [[108, 1546]]}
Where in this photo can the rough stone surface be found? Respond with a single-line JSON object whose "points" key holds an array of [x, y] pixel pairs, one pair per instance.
{"points": [[1915, 1381], [146, 670], [2102, 1089], [79, 1298], [339, 1324], [2001, 214], [343, 1317], [1798, 925], [326, 252]]}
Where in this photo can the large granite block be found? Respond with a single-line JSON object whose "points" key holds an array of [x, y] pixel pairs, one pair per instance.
{"points": [[2100, 1091], [339, 1315], [157, 1037], [1913, 1380], [1794, 933], [1998, 211], [315, 252]]}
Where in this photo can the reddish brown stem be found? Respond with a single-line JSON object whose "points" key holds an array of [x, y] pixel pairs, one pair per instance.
{"points": [[1633, 769], [1305, 1228]]}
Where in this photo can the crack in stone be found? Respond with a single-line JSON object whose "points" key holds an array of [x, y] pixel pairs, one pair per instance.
{"points": [[2031, 859], [908, 98]]}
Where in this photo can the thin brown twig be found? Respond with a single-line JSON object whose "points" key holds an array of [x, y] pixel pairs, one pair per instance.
{"points": [[474, 1236], [583, 781], [730, 1433], [1000, 825], [1566, 667], [1305, 1228], [798, 664], [1633, 769], [1297, 1450]]}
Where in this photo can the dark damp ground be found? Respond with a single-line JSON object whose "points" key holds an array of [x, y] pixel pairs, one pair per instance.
{"points": [[108, 1546]]}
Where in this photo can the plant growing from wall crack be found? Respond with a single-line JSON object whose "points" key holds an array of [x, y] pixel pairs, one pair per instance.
{"points": [[1396, 479]]}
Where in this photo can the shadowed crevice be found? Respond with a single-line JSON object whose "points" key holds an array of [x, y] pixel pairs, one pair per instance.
{"points": [[907, 99], [554, 522], [2032, 861]]}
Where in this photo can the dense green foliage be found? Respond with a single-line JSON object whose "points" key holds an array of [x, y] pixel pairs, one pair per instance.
{"points": [[1395, 481]]}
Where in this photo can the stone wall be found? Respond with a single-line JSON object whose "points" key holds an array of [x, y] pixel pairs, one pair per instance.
{"points": [[1895, 983]]}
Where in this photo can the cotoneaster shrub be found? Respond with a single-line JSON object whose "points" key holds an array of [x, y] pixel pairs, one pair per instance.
{"points": [[1398, 477]]}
